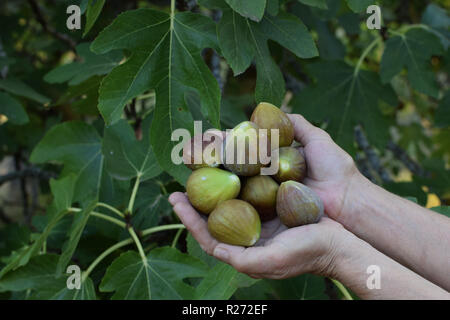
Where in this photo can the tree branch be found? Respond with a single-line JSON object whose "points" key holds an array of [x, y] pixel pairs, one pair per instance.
{"points": [[186, 5], [40, 18], [363, 166], [215, 59], [296, 81], [5, 69], [372, 157], [27, 172], [23, 188], [401, 155]]}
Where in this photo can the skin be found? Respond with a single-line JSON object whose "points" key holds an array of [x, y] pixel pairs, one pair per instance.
{"points": [[365, 225]]}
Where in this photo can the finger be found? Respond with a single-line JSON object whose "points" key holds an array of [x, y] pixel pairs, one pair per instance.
{"points": [[325, 220], [302, 151], [196, 225], [254, 260], [304, 131], [176, 197]]}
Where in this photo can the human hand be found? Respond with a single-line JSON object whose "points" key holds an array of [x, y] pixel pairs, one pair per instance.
{"points": [[280, 253], [395, 226], [332, 173], [326, 248]]}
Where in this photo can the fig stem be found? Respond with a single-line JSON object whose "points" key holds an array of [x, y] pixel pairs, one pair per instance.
{"points": [[133, 194], [107, 206], [342, 289], [177, 236], [364, 55], [101, 216], [108, 218], [138, 245], [148, 231], [162, 186], [125, 242], [103, 255]]}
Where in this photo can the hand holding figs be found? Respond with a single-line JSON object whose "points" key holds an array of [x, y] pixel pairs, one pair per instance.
{"points": [[214, 191]]}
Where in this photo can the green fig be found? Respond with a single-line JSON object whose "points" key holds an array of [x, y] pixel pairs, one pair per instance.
{"points": [[207, 187], [241, 153], [235, 222], [267, 116], [261, 193], [208, 157], [292, 165], [298, 205]]}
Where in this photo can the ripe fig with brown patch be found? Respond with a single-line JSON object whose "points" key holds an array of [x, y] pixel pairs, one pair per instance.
{"points": [[298, 205], [292, 165]]}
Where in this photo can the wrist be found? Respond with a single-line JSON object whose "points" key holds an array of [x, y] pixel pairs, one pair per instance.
{"points": [[333, 253], [341, 253], [372, 275], [358, 196], [352, 260]]}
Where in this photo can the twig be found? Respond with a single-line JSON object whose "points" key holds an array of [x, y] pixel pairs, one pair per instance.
{"points": [[384, 34], [9, 203], [215, 59], [401, 154], [186, 5], [40, 18], [4, 71], [27, 172], [175, 239], [30, 56], [23, 188], [137, 119], [371, 155], [363, 166], [292, 83], [34, 194]]}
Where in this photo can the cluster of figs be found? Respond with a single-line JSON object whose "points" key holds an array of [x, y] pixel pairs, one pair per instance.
{"points": [[237, 198]]}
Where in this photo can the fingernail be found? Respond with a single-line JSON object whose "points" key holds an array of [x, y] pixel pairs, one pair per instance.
{"points": [[171, 200], [221, 254]]}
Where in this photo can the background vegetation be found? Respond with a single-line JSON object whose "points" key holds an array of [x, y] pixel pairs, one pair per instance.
{"points": [[86, 118]]}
